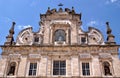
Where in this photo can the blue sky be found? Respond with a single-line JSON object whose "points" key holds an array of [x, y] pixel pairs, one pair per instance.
{"points": [[26, 13]]}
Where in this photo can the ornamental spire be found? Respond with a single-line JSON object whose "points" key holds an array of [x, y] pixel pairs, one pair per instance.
{"points": [[11, 31], [108, 28], [10, 38], [110, 36]]}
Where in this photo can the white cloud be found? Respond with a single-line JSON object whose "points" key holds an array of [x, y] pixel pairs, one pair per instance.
{"points": [[91, 23], [112, 1], [115, 2], [96, 23], [23, 26]]}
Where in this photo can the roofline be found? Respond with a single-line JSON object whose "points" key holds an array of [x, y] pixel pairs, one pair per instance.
{"points": [[60, 45]]}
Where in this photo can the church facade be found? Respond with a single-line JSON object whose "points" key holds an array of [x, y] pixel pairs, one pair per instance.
{"points": [[60, 49]]}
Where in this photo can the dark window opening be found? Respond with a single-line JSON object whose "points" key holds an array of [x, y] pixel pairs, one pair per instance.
{"points": [[60, 35], [12, 69], [59, 68], [83, 40], [32, 69], [85, 69], [36, 39]]}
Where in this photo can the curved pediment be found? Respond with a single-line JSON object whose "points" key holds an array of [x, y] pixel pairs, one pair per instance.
{"points": [[25, 37], [92, 37], [95, 36]]}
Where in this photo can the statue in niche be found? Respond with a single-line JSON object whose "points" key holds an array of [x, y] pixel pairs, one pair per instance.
{"points": [[12, 69], [107, 68]]}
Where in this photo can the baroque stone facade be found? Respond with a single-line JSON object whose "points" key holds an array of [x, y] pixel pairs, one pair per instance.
{"points": [[60, 49]]}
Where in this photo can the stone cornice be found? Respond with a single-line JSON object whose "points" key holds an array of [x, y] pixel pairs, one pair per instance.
{"points": [[71, 50], [45, 45]]}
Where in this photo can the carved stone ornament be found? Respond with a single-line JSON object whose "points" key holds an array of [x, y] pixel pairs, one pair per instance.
{"points": [[95, 36], [34, 56], [104, 55], [60, 22], [14, 56], [85, 56], [25, 37]]}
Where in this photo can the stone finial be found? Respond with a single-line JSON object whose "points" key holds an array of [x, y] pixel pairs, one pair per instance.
{"points": [[108, 28], [11, 31], [110, 36], [73, 11], [60, 10], [80, 16], [10, 38], [48, 8], [48, 11]]}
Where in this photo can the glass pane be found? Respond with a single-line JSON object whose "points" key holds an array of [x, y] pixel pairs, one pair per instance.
{"points": [[55, 72], [34, 72], [56, 64], [31, 65], [84, 73], [83, 66], [30, 72], [87, 65], [88, 72], [62, 72], [35, 65], [62, 64]]}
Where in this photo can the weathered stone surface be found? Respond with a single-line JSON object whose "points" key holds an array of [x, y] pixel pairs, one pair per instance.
{"points": [[75, 47]]}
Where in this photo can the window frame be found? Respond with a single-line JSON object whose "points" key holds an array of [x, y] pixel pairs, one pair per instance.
{"points": [[59, 69], [28, 67], [83, 41], [90, 67], [33, 69], [86, 69], [60, 33], [36, 39], [83, 36]]}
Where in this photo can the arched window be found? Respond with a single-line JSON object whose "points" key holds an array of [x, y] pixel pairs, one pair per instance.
{"points": [[106, 66], [12, 69], [60, 35]]}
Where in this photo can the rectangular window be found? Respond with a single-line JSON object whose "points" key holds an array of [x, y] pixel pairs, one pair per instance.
{"points": [[85, 69], [36, 39], [32, 69], [83, 40], [59, 67]]}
